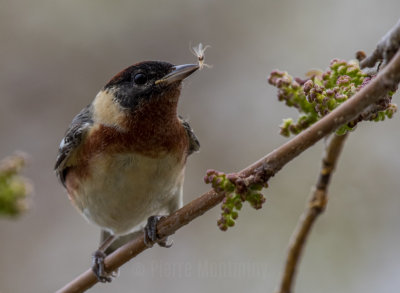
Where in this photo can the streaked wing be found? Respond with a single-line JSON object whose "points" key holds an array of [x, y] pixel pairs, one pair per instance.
{"points": [[71, 141], [194, 144]]}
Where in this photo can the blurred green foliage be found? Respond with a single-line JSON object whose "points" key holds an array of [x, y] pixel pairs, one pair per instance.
{"points": [[13, 187]]}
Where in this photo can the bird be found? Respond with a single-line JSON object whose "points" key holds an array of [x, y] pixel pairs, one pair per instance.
{"points": [[122, 159]]}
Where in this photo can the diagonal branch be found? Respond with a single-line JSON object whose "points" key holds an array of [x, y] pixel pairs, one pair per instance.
{"points": [[315, 207], [386, 48], [386, 80]]}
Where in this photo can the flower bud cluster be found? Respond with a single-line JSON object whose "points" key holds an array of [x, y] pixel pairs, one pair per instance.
{"points": [[236, 190], [322, 92]]}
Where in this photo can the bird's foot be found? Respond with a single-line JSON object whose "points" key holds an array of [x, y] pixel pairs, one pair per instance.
{"points": [[98, 267], [150, 233]]}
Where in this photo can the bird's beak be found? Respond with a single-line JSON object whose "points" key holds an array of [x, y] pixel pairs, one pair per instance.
{"points": [[178, 73]]}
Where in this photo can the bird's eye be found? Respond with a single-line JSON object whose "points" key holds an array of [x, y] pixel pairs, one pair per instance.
{"points": [[140, 78]]}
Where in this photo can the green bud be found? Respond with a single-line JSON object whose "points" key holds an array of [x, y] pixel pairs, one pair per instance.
{"points": [[230, 222]]}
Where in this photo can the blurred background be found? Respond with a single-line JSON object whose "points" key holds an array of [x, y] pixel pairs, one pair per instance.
{"points": [[56, 55]]}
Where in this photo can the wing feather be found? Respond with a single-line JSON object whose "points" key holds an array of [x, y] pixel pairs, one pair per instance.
{"points": [[72, 140], [194, 144]]}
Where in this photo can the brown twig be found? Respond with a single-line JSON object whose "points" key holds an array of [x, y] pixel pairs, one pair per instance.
{"points": [[315, 207], [371, 93], [386, 48]]}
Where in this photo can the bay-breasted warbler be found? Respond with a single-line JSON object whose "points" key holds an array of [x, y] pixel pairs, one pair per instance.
{"points": [[123, 157]]}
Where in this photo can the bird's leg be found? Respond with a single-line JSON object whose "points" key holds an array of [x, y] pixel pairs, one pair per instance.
{"points": [[98, 260], [150, 233]]}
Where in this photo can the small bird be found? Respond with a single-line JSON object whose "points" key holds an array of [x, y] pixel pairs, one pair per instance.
{"points": [[122, 159]]}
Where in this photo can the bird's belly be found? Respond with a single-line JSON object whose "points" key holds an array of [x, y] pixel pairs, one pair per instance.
{"points": [[124, 190]]}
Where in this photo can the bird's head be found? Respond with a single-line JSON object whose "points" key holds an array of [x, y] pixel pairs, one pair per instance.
{"points": [[146, 90], [147, 80]]}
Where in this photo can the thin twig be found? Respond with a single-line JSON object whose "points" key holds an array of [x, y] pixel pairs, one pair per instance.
{"points": [[315, 207], [371, 93], [386, 48]]}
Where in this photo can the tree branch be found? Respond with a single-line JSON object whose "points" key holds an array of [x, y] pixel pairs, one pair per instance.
{"points": [[386, 48], [386, 80], [315, 207]]}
